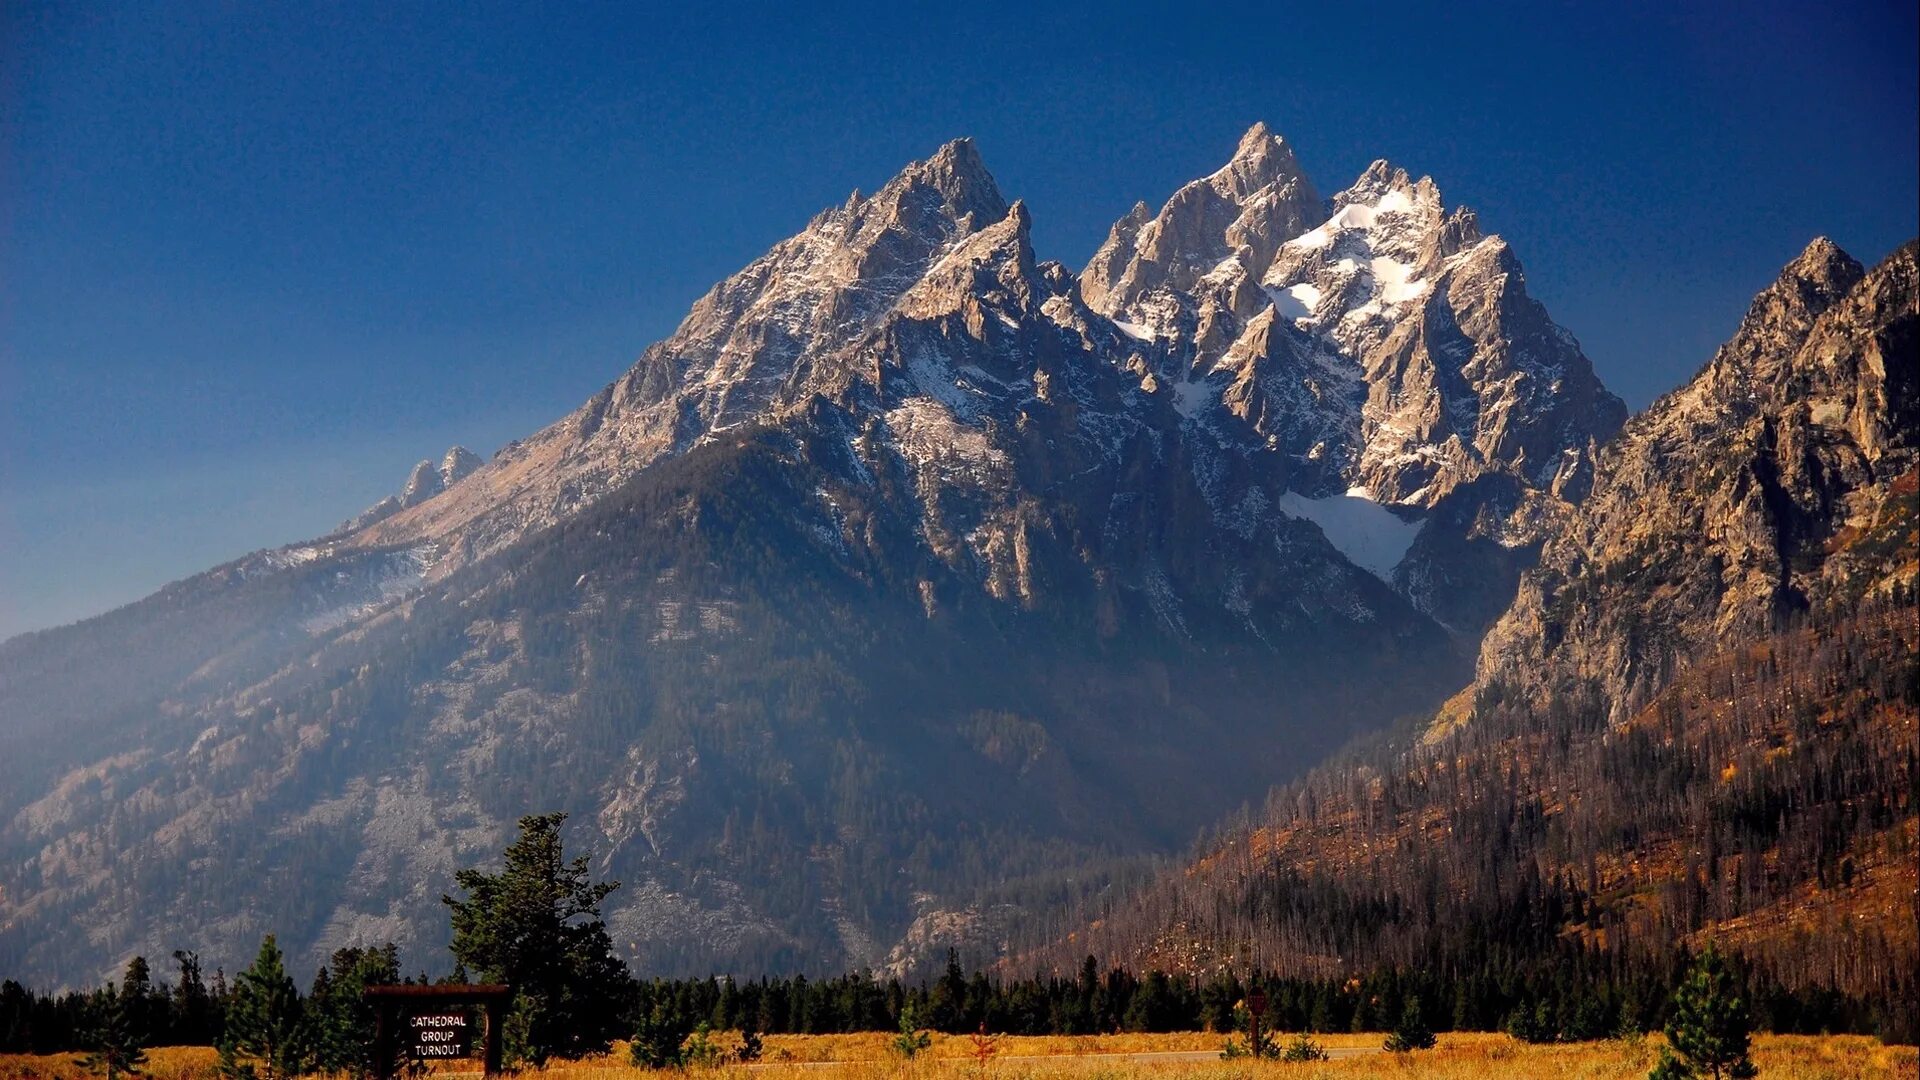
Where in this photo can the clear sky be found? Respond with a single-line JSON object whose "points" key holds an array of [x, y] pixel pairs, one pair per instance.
{"points": [[257, 259]]}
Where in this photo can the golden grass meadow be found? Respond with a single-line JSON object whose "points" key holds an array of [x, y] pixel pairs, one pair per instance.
{"points": [[866, 1057]]}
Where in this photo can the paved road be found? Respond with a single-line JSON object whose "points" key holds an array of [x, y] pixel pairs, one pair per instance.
{"points": [[1178, 1055], [1334, 1052]]}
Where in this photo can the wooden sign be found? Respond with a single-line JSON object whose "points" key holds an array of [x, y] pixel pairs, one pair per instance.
{"points": [[440, 1035], [418, 1023]]}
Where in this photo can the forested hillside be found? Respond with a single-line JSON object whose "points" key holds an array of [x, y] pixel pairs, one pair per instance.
{"points": [[1697, 722], [1765, 800], [912, 586]]}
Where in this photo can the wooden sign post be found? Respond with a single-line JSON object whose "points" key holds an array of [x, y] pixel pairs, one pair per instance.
{"points": [[427, 1023], [1256, 1008]]}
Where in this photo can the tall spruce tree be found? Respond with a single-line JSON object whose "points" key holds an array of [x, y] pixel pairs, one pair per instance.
{"points": [[145, 1006], [118, 1046], [266, 1034], [343, 1022], [536, 925], [946, 1003], [192, 1019], [1708, 1026]]}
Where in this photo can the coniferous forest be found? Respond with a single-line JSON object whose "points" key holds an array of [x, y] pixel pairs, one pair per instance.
{"points": [[1765, 801]]}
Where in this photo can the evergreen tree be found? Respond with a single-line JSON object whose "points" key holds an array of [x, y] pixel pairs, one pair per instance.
{"points": [[1216, 1002], [1530, 1023], [657, 1039], [947, 1003], [1709, 1025], [118, 1046], [911, 1039], [192, 1022], [1412, 1032], [342, 1021], [1152, 1007], [536, 925], [266, 1033], [1303, 1048], [145, 1007]]}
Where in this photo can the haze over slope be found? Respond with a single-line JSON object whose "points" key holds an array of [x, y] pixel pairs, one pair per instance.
{"points": [[910, 581], [1695, 722]]}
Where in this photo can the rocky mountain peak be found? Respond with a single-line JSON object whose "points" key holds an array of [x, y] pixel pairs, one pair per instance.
{"points": [[457, 463], [424, 481], [1262, 158], [994, 262], [1242, 211], [765, 338], [422, 484], [1383, 178], [956, 171], [1822, 261], [428, 479], [1771, 484], [1813, 282], [1748, 368], [1389, 351]]}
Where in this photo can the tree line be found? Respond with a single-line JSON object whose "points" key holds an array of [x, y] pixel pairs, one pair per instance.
{"points": [[536, 926], [1775, 786]]}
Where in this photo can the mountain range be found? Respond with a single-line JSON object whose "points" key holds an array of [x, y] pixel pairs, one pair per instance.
{"points": [[914, 585], [1695, 723]]}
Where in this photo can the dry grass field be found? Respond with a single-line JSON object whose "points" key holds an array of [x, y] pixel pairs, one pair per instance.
{"points": [[865, 1057]]}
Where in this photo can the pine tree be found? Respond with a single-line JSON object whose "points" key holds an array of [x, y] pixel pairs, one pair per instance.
{"points": [[266, 1033], [947, 1004], [656, 1041], [1303, 1048], [1531, 1023], [118, 1046], [343, 1023], [911, 1039], [536, 925], [1709, 1025], [1412, 1033], [145, 1008], [192, 1020]]}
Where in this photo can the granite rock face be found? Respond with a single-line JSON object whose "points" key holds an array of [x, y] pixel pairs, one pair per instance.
{"points": [[424, 482], [1779, 482], [907, 554]]}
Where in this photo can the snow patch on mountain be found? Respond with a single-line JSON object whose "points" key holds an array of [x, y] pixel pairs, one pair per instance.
{"points": [[1371, 536]]}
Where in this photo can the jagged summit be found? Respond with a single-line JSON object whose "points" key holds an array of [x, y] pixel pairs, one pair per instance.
{"points": [[1769, 485], [998, 257], [1821, 258], [425, 481], [1263, 157], [1063, 537], [764, 340], [1262, 324], [1241, 211], [1807, 285], [958, 173]]}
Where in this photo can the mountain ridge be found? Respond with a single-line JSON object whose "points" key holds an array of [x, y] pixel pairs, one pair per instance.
{"points": [[1693, 723], [894, 518]]}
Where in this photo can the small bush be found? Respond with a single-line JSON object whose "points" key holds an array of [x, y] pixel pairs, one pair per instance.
{"points": [[700, 1049], [1303, 1049], [1412, 1032], [656, 1041], [911, 1039], [750, 1047], [1531, 1024]]}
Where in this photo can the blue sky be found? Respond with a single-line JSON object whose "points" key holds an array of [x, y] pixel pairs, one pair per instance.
{"points": [[256, 260]]}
